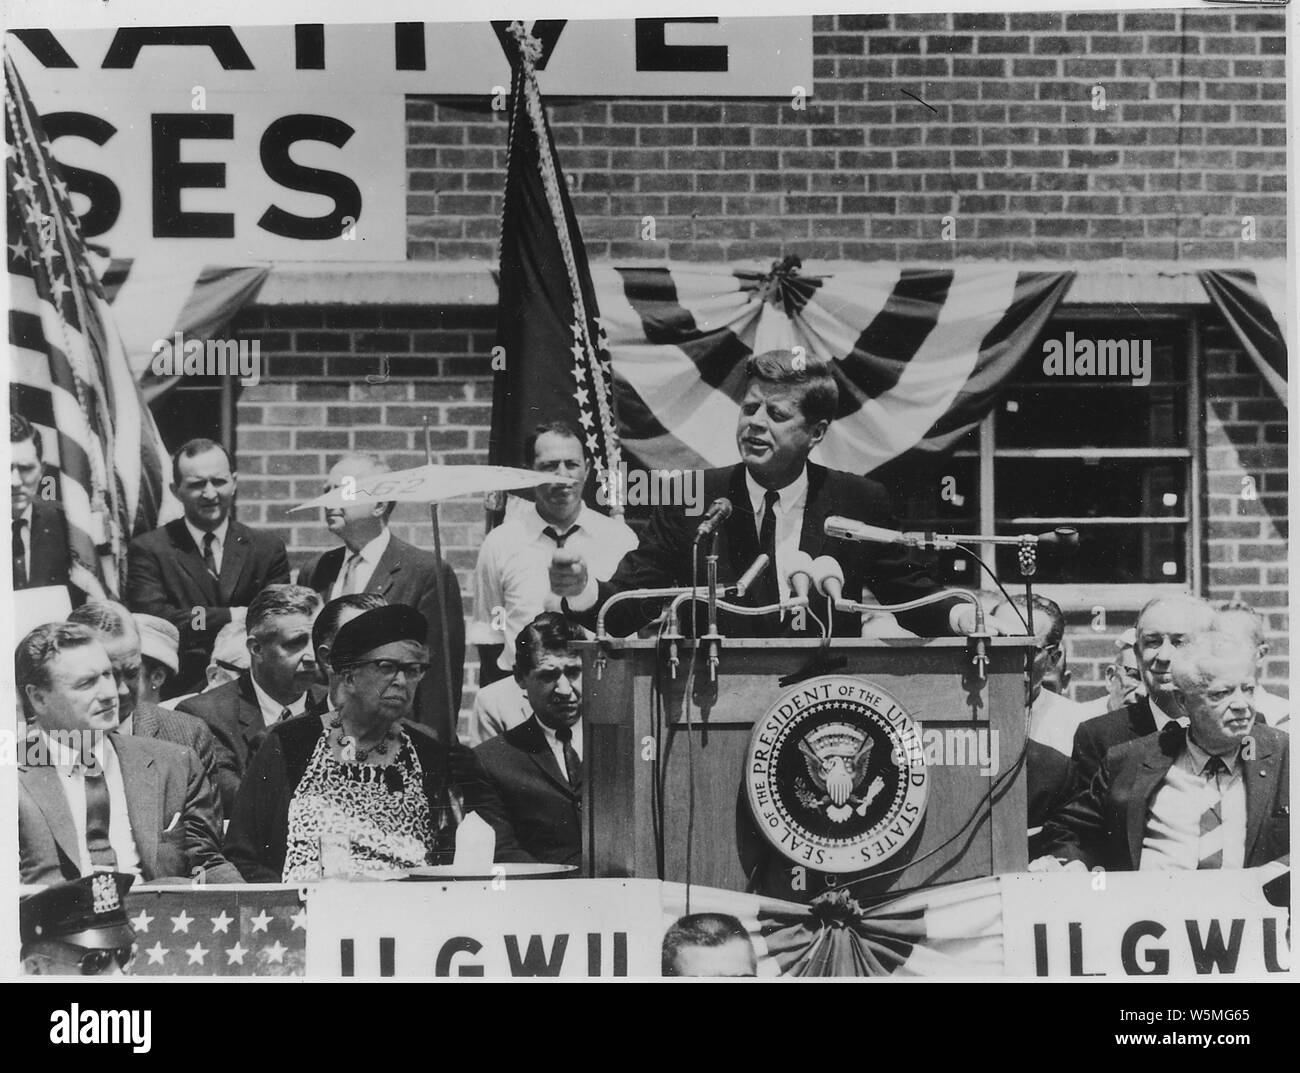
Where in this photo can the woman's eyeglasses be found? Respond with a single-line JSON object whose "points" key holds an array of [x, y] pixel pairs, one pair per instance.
{"points": [[388, 668]]}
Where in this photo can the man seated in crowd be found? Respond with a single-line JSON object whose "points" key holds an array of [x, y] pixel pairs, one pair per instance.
{"points": [[1123, 678], [708, 944], [536, 767], [228, 661], [281, 682], [780, 502], [41, 554], [1213, 794], [1236, 616], [160, 643], [510, 581], [114, 627], [78, 927], [1164, 625], [195, 570], [91, 799], [373, 560]]}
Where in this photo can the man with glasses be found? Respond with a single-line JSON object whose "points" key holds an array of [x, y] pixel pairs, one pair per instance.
{"points": [[78, 928], [281, 682], [1123, 678]]}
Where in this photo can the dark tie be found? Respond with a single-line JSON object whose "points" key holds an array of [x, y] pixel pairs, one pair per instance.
{"points": [[572, 765], [284, 714], [768, 590], [209, 559], [559, 540], [20, 555], [1211, 850], [102, 857]]}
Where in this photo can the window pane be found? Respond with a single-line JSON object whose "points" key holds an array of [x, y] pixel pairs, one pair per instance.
{"points": [[946, 502], [187, 412], [1110, 554], [1089, 488]]}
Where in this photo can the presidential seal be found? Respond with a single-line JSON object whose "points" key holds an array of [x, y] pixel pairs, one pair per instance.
{"points": [[836, 774]]}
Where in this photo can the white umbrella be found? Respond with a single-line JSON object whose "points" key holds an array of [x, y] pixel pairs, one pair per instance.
{"points": [[430, 484]]}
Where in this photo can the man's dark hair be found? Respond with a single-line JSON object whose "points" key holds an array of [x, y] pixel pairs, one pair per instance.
{"points": [[1043, 607], [106, 617], [700, 929], [327, 622], [819, 396], [194, 448], [21, 430], [548, 632], [37, 651], [276, 601], [557, 428]]}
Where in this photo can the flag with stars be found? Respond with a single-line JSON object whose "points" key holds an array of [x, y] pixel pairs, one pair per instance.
{"points": [[551, 361], [218, 931], [69, 375]]}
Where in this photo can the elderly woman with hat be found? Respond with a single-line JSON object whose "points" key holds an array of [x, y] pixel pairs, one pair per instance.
{"points": [[362, 793]]}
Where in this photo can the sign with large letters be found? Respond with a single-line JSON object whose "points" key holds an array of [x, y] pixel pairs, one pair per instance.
{"points": [[507, 927], [236, 144]]}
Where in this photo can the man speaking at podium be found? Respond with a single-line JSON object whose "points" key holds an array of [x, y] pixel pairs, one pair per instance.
{"points": [[779, 504]]}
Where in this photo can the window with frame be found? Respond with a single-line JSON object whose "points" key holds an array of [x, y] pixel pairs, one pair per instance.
{"points": [[1114, 460]]}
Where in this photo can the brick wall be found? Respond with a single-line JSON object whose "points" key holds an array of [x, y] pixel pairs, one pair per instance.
{"points": [[1192, 139]]}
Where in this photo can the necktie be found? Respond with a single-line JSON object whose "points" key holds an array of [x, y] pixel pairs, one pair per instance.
{"points": [[559, 540], [102, 857], [20, 555], [284, 714], [209, 558], [768, 589], [350, 574], [1211, 847], [572, 765]]}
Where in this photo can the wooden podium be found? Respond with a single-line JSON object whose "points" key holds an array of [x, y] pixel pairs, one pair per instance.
{"points": [[930, 678]]}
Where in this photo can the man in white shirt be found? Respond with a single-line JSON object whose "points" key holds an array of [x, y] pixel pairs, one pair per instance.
{"points": [[536, 767], [281, 681], [91, 799], [511, 585]]}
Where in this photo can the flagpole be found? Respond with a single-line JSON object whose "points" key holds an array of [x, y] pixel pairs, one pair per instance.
{"points": [[440, 591]]}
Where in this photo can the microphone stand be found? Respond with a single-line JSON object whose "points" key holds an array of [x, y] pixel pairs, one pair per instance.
{"points": [[711, 579]]}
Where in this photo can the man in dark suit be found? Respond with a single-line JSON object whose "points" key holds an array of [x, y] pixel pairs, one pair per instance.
{"points": [[91, 799], [373, 560], [1212, 795], [114, 627], [281, 682], [40, 529], [1165, 625], [780, 502], [536, 767], [193, 570]]}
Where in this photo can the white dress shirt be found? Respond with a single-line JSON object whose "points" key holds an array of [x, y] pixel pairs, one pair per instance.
{"points": [[789, 511], [1173, 828], [557, 746], [218, 545], [1053, 719], [370, 555], [72, 779], [513, 572], [271, 708]]}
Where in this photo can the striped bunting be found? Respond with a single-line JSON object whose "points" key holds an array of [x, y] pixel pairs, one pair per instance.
{"points": [[919, 354], [69, 374], [1254, 303]]}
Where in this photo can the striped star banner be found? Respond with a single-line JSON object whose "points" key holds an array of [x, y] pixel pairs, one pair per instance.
{"points": [[920, 354], [218, 931], [69, 374]]}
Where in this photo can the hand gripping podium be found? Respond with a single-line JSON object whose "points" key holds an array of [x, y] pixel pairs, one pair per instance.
{"points": [[656, 785]]}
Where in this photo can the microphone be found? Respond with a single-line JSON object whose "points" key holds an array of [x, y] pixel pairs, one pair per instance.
{"points": [[848, 529], [751, 575], [800, 574], [828, 575], [719, 511]]}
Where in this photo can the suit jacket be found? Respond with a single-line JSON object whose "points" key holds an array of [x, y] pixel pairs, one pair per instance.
{"points": [[257, 838], [1095, 737], [151, 721], [234, 717], [1105, 824], [166, 577], [664, 558], [544, 810], [405, 575], [161, 779], [1047, 786], [49, 559]]}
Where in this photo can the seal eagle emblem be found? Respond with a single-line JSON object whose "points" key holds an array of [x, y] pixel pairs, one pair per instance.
{"points": [[836, 774]]}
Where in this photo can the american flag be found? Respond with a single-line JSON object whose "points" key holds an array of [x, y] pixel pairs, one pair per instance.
{"points": [[69, 374], [222, 931], [919, 354]]}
